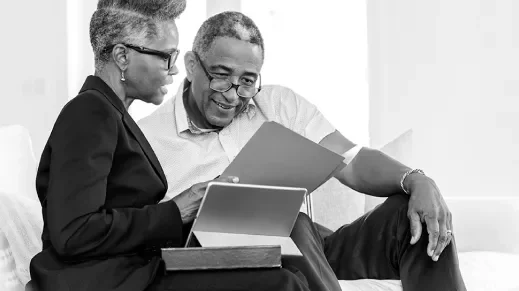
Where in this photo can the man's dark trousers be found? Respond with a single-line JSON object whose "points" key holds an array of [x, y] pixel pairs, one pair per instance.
{"points": [[375, 246]]}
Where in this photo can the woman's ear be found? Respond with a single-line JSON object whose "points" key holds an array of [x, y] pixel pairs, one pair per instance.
{"points": [[120, 56], [190, 62]]}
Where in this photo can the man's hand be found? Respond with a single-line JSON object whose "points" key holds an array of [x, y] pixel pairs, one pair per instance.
{"points": [[427, 205], [189, 201]]}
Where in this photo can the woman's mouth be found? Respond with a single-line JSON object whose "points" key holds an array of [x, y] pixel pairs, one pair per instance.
{"points": [[164, 90]]}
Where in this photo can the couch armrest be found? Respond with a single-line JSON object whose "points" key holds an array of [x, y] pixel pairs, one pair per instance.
{"points": [[17, 162], [485, 223]]}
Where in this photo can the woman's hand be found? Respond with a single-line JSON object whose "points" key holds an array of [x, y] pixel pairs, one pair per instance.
{"points": [[189, 201]]}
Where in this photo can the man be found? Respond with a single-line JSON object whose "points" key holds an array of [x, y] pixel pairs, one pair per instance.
{"points": [[220, 106]]}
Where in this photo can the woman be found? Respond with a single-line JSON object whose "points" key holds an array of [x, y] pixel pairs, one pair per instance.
{"points": [[99, 181]]}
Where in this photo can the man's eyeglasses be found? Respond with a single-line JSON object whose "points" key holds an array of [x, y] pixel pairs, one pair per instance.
{"points": [[223, 85], [171, 58]]}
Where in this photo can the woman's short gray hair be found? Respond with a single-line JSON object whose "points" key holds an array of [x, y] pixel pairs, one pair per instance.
{"points": [[129, 21]]}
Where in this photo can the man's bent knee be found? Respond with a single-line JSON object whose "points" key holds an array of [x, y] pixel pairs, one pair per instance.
{"points": [[303, 223], [394, 204], [304, 231], [393, 211], [303, 217]]}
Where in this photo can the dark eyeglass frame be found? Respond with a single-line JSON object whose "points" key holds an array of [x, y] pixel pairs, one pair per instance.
{"points": [[231, 84], [170, 57]]}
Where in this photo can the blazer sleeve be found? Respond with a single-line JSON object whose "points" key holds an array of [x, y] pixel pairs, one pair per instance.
{"points": [[83, 143]]}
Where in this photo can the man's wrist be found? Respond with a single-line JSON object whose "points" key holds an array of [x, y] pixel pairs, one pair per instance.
{"points": [[410, 178]]}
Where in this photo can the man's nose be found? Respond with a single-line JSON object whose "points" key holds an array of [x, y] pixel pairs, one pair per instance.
{"points": [[231, 95]]}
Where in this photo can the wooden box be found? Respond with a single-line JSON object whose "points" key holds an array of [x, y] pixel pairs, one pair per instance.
{"points": [[207, 258]]}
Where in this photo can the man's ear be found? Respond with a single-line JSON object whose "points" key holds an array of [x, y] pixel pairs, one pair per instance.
{"points": [[190, 61], [120, 56]]}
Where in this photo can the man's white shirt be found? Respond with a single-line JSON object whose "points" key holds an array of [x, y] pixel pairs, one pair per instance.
{"points": [[189, 155]]}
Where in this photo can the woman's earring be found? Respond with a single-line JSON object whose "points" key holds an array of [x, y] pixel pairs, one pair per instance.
{"points": [[122, 77]]}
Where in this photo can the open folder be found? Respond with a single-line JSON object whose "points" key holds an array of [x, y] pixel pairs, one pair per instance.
{"points": [[281, 163], [277, 156], [277, 169]]}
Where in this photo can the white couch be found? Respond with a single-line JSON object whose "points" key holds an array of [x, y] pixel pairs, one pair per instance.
{"points": [[488, 240]]}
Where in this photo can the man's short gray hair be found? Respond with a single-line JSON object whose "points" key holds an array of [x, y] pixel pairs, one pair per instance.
{"points": [[129, 21], [227, 24]]}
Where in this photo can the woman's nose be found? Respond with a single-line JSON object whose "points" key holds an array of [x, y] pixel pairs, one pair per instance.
{"points": [[173, 70]]}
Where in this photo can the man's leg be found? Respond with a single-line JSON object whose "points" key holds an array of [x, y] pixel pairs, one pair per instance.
{"points": [[313, 264], [377, 246], [229, 280]]}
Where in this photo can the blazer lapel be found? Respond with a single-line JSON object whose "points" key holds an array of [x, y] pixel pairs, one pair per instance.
{"points": [[145, 145], [96, 83]]}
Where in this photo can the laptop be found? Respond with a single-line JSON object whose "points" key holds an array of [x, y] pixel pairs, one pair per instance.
{"points": [[247, 215]]}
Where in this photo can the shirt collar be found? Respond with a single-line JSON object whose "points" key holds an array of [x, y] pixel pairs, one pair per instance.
{"points": [[251, 109], [181, 118], [184, 122]]}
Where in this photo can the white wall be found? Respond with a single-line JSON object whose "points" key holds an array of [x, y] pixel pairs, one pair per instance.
{"points": [[448, 69], [81, 57], [320, 51], [322, 55], [33, 66], [80, 62]]}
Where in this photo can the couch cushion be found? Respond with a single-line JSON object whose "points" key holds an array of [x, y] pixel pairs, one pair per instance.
{"points": [[17, 162], [371, 285], [8, 279], [21, 222], [481, 271], [490, 271], [335, 204]]}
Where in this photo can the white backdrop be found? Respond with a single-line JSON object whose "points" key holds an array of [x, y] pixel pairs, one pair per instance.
{"points": [[320, 52]]}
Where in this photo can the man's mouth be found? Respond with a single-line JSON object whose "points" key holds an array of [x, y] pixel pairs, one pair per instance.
{"points": [[223, 106]]}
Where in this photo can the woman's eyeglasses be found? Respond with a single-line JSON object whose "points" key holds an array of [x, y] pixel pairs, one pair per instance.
{"points": [[171, 58]]}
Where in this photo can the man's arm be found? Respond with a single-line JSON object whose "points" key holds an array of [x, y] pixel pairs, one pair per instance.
{"points": [[370, 171], [374, 173]]}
